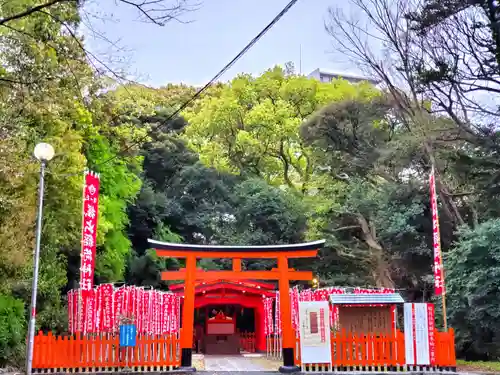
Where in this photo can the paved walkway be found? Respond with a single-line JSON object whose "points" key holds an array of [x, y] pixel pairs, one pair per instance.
{"points": [[235, 363]]}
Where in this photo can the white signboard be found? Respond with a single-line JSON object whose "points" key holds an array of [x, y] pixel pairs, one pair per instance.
{"points": [[422, 334], [314, 323], [416, 334], [409, 337]]}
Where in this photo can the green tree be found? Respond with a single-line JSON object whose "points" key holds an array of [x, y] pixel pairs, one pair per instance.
{"points": [[372, 209], [473, 280], [251, 126], [49, 92], [41, 65], [263, 214]]}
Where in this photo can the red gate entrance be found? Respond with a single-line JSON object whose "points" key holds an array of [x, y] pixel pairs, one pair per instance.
{"points": [[282, 273]]}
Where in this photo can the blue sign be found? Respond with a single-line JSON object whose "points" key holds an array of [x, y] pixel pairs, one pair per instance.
{"points": [[127, 335]]}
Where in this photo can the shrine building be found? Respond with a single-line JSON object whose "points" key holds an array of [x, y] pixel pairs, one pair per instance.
{"points": [[229, 315]]}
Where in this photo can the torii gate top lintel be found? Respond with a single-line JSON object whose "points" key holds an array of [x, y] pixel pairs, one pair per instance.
{"points": [[301, 250]]}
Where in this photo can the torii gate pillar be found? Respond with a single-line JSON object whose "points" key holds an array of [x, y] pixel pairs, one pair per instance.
{"points": [[286, 317], [188, 313]]}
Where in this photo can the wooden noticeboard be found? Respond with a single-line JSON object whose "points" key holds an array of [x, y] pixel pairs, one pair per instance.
{"points": [[376, 319]]}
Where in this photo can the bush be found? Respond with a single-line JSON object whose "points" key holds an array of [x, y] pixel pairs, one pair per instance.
{"points": [[12, 331], [473, 280]]}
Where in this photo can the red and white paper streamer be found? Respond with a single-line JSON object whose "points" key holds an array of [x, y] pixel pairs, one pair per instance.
{"points": [[152, 311]]}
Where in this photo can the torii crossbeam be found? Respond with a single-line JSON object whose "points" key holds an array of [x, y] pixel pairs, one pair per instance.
{"points": [[282, 273]]}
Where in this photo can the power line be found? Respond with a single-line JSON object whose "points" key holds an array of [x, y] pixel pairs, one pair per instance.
{"points": [[204, 88]]}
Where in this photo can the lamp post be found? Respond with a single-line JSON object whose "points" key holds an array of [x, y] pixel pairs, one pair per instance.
{"points": [[44, 153], [315, 283]]}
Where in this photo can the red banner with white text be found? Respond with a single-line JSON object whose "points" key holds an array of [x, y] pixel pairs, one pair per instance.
{"points": [[438, 263], [89, 230], [431, 332]]}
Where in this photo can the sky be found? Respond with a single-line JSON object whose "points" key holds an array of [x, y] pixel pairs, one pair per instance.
{"points": [[192, 53]]}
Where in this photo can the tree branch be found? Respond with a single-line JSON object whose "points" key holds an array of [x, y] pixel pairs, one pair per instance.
{"points": [[340, 229], [32, 10], [155, 12]]}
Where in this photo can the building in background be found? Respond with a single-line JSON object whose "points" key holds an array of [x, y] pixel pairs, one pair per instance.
{"points": [[325, 76]]}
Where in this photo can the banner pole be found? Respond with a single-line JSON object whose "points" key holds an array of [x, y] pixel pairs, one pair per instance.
{"points": [[438, 268], [443, 296]]}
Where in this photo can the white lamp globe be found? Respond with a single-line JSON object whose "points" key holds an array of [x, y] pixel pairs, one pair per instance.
{"points": [[44, 152]]}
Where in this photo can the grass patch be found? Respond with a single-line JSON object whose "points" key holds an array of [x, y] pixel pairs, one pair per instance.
{"points": [[493, 366]]}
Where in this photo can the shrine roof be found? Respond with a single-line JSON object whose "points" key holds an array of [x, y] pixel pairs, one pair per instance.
{"points": [[243, 283], [314, 245], [244, 287], [355, 298]]}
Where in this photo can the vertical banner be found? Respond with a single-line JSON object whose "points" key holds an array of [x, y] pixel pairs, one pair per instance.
{"points": [[145, 311], [107, 307], [270, 328], [98, 309], [71, 316], [171, 313], [78, 310], [132, 302], [409, 334], [168, 309], [334, 309], [164, 313], [138, 305], [314, 321], [117, 306], [306, 295], [420, 348], [422, 334], [125, 302], [89, 312], [438, 262], [268, 315], [84, 298], [277, 330], [161, 313], [432, 332], [89, 230], [154, 312], [294, 305], [177, 315], [266, 323]]}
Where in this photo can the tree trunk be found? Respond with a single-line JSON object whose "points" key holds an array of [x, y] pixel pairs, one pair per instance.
{"points": [[381, 272]]}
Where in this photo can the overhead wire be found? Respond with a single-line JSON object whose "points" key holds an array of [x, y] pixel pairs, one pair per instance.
{"points": [[200, 91]]}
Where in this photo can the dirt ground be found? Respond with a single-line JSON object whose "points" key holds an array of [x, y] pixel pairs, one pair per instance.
{"points": [[479, 367]]}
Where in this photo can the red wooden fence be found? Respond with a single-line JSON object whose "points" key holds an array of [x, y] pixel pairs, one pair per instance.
{"points": [[103, 353], [378, 352], [247, 342]]}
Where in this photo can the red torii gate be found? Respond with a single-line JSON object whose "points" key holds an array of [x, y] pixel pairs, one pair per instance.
{"points": [[282, 273]]}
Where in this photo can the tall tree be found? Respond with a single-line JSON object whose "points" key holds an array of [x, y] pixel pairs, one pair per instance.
{"points": [[250, 126], [368, 202], [473, 278], [438, 122]]}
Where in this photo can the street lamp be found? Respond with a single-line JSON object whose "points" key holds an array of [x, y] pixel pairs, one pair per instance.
{"points": [[44, 153]]}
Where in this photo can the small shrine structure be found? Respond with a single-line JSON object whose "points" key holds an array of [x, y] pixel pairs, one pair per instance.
{"points": [[363, 313], [243, 316]]}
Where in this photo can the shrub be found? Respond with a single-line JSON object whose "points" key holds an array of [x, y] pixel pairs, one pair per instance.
{"points": [[12, 331]]}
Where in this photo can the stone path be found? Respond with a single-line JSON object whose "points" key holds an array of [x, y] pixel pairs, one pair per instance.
{"points": [[235, 363]]}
